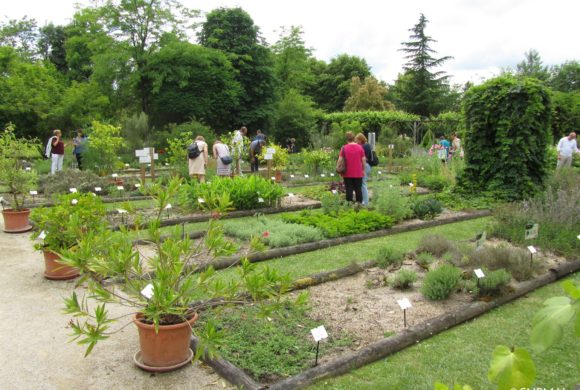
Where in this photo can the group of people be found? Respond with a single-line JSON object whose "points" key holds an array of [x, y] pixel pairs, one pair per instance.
{"points": [[226, 155], [356, 155], [447, 150], [55, 149]]}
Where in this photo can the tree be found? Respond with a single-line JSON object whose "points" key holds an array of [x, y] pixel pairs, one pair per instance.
{"points": [[532, 66], [332, 82], [21, 35], [291, 60], [294, 118], [368, 95], [565, 77], [187, 81], [51, 46], [232, 31], [420, 89]]}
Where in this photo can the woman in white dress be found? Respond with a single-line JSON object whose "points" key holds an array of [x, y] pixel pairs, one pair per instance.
{"points": [[197, 165], [221, 150]]}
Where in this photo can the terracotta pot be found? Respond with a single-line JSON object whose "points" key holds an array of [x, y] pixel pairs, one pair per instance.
{"points": [[167, 348], [16, 221], [278, 176], [55, 270]]}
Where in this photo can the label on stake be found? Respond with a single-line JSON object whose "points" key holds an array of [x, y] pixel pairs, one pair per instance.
{"points": [[120, 188], [319, 333], [114, 175], [33, 192], [121, 211], [137, 185], [532, 249], [42, 235], [72, 190], [292, 176], [200, 200], [332, 174], [404, 303], [479, 273], [306, 176], [98, 189], [260, 200], [322, 175], [290, 195], [168, 206], [74, 201], [147, 292]]}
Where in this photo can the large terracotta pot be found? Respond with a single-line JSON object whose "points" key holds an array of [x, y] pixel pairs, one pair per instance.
{"points": [[55, 270], [16, 221], [166, 350]]}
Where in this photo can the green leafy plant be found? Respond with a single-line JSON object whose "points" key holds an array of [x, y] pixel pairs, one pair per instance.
{"points": [[13, 174], [427, 208], [404, 279], [389, 256], [435, 244], [425, 259], [511, 368], [493, 282], [514, 260], [104, 144], [62, 181], [441, 282], [279, 158], [317, 160], [333, 204], [391, 202]]}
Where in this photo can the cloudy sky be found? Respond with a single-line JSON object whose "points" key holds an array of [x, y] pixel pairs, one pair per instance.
{"points": [[482, 35]]}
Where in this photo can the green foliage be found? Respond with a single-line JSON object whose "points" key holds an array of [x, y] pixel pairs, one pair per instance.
{"points": [[557, 312], [441, 282], [294, 117], [435, 244], [508, 123], [494, 281], [317, 160], [62, 181], [64, 223], [103, 146], [565, 77], [272, 232], [565, 113], [13, 174], [291, 60], [388, 256], [532, 66], [345, 223], [244, 191], [279, 158], [404, 279], [425, 259], [511, 368], [333, 204], [426, 208], [457, 386], [513, 259], [391, 202], [367, 95]]}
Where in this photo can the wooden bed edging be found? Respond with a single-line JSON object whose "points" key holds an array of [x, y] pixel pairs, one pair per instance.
{"points": [[222, 263], [417, 333], [230, 215]]}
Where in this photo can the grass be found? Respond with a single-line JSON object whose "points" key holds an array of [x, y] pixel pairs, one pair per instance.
{"points": [[462, 354]]}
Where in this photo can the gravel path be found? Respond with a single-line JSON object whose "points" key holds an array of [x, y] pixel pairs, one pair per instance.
{"points": [[34, 348]]}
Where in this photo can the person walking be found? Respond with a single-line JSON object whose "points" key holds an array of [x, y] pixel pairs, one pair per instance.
{"points": [[198, 164], [443, 153], [238, 148], [221, 153], [567, 146], [354, 156], [362, 141], [255, 151], [79, 143], [456, 149], [56, 151]]}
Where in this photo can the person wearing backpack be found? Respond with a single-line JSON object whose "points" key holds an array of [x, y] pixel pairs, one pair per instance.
{"points": [[351, 166], [197, 157], [362, 141]]}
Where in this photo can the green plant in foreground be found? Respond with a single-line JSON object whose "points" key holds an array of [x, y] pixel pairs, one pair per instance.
{"points": [[441, 282]]}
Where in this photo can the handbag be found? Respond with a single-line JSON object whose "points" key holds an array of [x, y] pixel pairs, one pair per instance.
{"points": [[226, 160], [341, 163]]}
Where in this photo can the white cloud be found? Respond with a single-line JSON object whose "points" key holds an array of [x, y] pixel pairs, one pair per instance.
{"points": [[481, 35]]}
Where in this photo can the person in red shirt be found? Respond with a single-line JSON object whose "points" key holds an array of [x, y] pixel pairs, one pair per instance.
{"points": [[354, 155], [57, 151]]}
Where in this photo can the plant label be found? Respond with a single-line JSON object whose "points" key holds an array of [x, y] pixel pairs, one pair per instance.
{"points": [[306, 176], [121, 211], [141, 152], [292, 176], [272, 178], [322, 175], [155, 156], [479, 273], [144, 159], [147, 291], [27, 169], [260, 200], [319, 333], [98, 189], [168, 206], [42, 235], [270, 150], [422, 168], [33, 192], [126, 165], [137, 185], [200, 200], [268, 156], [72, 190], [380, 172], [334, 192], [410, 184], [74, 201], [120, 188], [532, 249], [532, 231], [404, 303], [290, 195], [391, 146], [166, 164], [578, 236], [114, 175], [332, 174]]}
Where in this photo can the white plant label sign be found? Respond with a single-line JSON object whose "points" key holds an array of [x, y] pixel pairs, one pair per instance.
{"points": [[137, 185], [268, 156], [272, 178], [260, 200], [319, 333], [42, 235], [532, 249], [380, 172], [147, 291], [334, 192], [410, 184], [98, 189], [72, 190], [322, 175], [33, 192], [74, 201], [479, 273], [120, 188], [332, 174], [306, 176], [290, 195], [114, 175], [404, 303], [270, 150], [292, 176], [200, 200], [126, 165], [121, 211], [168, 206], [28, 169]]}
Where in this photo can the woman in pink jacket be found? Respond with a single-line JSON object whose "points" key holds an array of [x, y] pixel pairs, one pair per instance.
{"points": [[354, 155]]}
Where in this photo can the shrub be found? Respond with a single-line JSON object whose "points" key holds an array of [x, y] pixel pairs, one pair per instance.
{"points": [[441, 282], [435, 244], [515, 260], [508, 128], [494, 281], [103, 146], [427, 208], [345, 223], [62, 181], [388, 256], [433, 182], [404, 279], [274, 233], [391, 202], [425, 259]]}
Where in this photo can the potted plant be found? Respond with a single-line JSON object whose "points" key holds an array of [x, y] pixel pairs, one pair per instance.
{"points": [[61, 226], [160, 290], [13, 174]]}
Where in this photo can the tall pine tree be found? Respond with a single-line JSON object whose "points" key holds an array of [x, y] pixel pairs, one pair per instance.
{"points": [[421, 90]]}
